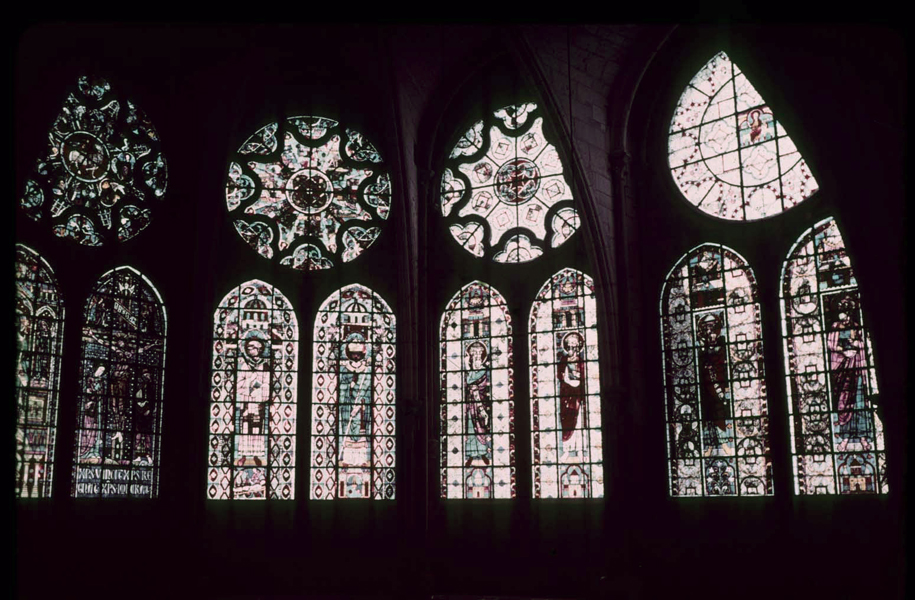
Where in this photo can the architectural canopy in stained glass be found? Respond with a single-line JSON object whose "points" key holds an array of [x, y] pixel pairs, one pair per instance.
{"points": [[728, 154], [103, 172], [565, 389], [251, 450], [39, 336], [477, 403], [714, 379], [308, 192], [504, 190], [353, 423], [120, 389], [837, 442]]}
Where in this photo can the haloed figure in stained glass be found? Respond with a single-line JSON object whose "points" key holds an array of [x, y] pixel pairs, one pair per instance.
{"points": [[478, 445], [89, 451], [853, 423], [756, 126], [571, 388], [714, 391], [253, 395], [355, 420]]}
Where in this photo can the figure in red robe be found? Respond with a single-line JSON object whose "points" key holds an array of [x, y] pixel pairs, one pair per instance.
{"points": [[714, 390], [571, 392], [847, 364]]}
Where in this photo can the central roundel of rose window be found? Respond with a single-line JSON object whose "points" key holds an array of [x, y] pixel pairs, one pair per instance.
{"points": [[84, 156], [308, 192], [504, 194], [518, 180]]}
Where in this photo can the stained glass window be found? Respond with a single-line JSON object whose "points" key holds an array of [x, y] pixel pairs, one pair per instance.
{"points": [[566, 435], [353, 394], [728, 154], [253, 396], [39, 336], [717, 410], [477, 409], [308, 192], [504, 190], [103, 172], [120, 382], [836, 433]]}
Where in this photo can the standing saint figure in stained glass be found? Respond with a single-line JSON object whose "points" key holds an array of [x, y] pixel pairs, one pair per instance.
{"points": [[566, 440], [478, 446], [717, 411], [355, 402], [253, 390], [477, 410], [39, 343], [120, 406], [571, 388], [253, 396], [837, 440], [89, 452], [714, 391], [353, 423], [853, 423]]}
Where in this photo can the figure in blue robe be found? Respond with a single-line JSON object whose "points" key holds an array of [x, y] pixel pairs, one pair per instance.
{"points": [[478, 441], [355, 418]]}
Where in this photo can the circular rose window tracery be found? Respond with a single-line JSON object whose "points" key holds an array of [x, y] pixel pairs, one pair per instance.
{"points": [[504, 193], [102, 171], [308, 192]]}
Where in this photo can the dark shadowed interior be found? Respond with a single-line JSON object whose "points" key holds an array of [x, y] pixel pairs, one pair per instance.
{"points": [[607, 93]]}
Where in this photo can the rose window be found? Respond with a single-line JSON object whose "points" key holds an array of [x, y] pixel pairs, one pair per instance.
{"points": [[503, 189], [103, 170], [308, 192]]}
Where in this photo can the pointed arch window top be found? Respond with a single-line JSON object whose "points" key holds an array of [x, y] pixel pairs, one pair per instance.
{"points": [[477, 408], [714, 377], [567, 441], [504, 191], [837, 443], [39, 337], [728, 155], [308, 192], [253, 396], [353, 425], [116, 454]]}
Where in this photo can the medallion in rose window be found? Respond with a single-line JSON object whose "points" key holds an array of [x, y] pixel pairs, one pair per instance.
{"points": [[103, 171], [503, 189], [308, 192]]}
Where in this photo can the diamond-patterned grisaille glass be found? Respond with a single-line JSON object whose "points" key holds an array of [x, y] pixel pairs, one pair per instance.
{"points": [[103, 171], [121, 377], [837, 442], [477, 404], [39, 337], [353, 423], [714, 379], [308, 192], [251, 450], [504, 191], [728, 154], [567, 442]]}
